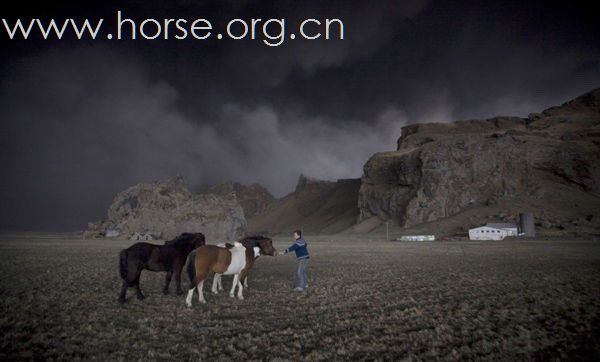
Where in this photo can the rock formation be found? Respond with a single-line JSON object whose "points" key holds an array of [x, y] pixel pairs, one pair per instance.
{"points": [[167, 209], [548, 163], [316, 206], [254, 199]]}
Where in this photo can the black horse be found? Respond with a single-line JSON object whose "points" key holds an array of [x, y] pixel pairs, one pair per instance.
{"points": [[169, 257], [251, 242]]}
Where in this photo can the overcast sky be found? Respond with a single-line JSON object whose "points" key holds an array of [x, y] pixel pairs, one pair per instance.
{"points": [[82, 120]]}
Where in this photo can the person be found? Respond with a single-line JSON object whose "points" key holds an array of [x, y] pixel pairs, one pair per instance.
{"points": [[301, 249]]}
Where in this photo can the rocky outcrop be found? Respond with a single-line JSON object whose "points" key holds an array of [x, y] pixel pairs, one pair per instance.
{"points": [[254, 199], [316, 206], [549, 160], [167, 209]]}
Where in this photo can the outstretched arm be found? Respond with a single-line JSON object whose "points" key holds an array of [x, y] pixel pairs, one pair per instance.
{"points": [[290, 249], [293, 247]]}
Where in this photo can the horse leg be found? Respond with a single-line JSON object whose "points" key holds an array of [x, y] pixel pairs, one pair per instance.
{"points": [[138, 291], [201, 293], [188, 299], [167, 282], [130, 273], [246, 282], [136, 282], [240, 289], [220, 282], [123, 292], [244, 277], [196, 282], [236, 279], [216, 281], [177, 272]]}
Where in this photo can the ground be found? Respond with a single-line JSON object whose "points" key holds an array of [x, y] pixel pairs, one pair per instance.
{"points": [[367, 299]]}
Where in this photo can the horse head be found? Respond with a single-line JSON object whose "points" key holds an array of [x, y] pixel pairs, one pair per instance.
{"points": [[264, 243], [266, 246], [199, 240]]}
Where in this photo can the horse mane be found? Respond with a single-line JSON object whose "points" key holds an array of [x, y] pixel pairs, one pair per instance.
{"points": [[254, 237], [251, 241], [184, 239]]}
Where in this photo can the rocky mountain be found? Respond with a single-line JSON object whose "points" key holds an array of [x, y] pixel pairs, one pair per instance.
{"points": [[316, 206], [443, 178], [254, 199], [168, 208], [465, 173]]}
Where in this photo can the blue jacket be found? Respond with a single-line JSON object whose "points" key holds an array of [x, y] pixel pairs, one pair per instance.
{"points": [[301, 249]]}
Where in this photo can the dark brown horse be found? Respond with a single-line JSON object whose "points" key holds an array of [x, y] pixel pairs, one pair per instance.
{"points": [[169, 257], [234, 260]]}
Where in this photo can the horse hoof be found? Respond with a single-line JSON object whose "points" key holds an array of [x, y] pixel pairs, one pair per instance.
{"points": [[240, 297], [121, 301], [140, 297], [231, 296], [203, 301], [215, 292]]}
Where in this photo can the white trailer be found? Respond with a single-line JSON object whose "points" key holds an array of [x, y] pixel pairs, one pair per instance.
{"points": [[493, 231]]}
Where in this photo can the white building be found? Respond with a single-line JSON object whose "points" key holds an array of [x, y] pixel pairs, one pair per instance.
{"points": [[417, 238], [140, 236], [493, 231], [110, 233]]}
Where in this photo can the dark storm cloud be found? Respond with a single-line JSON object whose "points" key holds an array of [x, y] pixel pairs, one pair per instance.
{"points": [[100, 124], [83, 121], [454, 61]]}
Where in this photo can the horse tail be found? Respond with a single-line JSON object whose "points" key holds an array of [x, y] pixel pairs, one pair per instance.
{"points": [[123, 264], [191, 268]]}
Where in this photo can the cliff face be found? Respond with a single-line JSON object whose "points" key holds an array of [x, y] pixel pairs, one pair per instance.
{"points": [[549, 162], [316, 206], [168, 208], [254, 199]]}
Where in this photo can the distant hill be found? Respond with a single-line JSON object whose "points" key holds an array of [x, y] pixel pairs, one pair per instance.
{"points": [[254, 199], [318, 207]]}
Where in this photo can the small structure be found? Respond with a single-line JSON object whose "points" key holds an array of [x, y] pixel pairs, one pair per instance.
{"points": [[417, 238], [140, 236], [527, 224], [111, 233], [493, 231]]}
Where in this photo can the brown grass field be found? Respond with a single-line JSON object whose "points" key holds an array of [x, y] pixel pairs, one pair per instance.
{"points": [[367, 300]]}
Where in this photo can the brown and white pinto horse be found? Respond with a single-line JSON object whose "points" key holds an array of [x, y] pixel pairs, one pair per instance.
{"points": [[248, 242], [234, 260]]}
